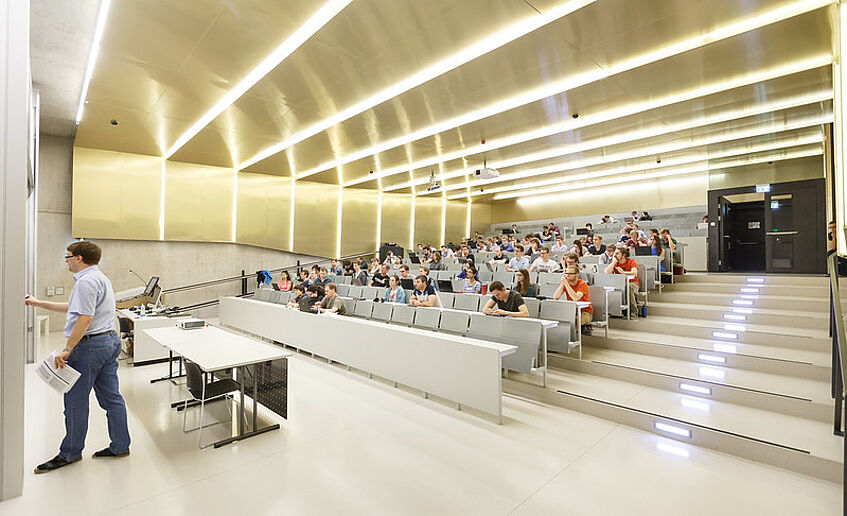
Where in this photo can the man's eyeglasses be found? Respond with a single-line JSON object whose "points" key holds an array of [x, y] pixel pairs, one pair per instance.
{"points": [[69, 256]]}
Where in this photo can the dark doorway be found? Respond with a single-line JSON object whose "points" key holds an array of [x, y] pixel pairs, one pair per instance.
{"points": [[746, 225]]}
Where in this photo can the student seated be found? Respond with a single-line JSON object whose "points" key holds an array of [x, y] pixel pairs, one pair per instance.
{"points": [[668, 240], [577, 248], [303, 277], [634, 215], [436, 264], [519, 261], [322, 279], [524, 286], [472, 284], [404, 272], [465, 254], [514, 229], [544, 263], [658, 249], [284, 282], [499, 257], [576, 289], [623, 264], [424, 294], [505, 302], [645, 216], [609, 256], [546, 235], [360, 277], [395, 293], [446, 252], [572, 260], [559, 246], [607, 219], [334, 268], [298, 291], [508, 245], [309, 301], [380, 279], [332, 302], [597, 248], [464, 272], [635, 239], [590, 229], [424, 271]]}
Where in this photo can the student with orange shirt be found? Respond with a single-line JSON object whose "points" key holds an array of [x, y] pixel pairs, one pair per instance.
{"points": [[575, 289], [623, 264]]}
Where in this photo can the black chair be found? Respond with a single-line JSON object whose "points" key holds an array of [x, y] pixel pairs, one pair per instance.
{"points": [[126, 326], [203, 391]]}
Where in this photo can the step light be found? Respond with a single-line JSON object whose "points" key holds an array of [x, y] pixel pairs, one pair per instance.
{"points": [[734, 327], [696, 405], [687, 387], [748, 296], [725, 348], [734, 317], [673, 450], [755, 280], [672, 429], [715, 359], [742, 311], [712, 372], [724, 335], [742, 302], [749, 291]]}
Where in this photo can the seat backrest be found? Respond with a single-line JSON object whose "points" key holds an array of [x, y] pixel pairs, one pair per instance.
{"points": [[599, 301], [427, 318], [262, 294], [453, 321], [356, 292], [469, 302], [558, 310], [349, 304], [363, 308], [446, 299], [526, 335], [458, 285], [533, 305], [343, 290], [373, 292], [618, 281], [194, 379], [506, 278], [402, 314], [275, 296], [382, 311], [284, 297], [485, 327], [486, 275], [125, 324], [547, 289]]}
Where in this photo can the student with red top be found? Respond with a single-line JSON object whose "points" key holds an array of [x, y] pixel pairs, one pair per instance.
{"points": [[623, 264], [575, 289]]}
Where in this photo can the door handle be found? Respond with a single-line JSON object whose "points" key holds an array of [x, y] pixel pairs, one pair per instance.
{"points": [[749, 243], [781, 233]]}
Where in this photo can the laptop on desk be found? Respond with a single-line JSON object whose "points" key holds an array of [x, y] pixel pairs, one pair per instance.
{"points": [[643, 251], [407, 283], [445, 285], [275, 286], [414, 259]]}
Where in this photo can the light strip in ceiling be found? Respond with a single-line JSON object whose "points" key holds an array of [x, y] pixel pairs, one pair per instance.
{"points": [[656, 150], [552, 88], [94, 51], [321, 17], [609, 115], [467, 54], [532, 195], [628, 137], [664, 165]]}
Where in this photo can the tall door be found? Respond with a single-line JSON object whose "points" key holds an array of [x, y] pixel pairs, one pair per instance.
{"points": [[794, 224], [746, 224], [724, 234]]}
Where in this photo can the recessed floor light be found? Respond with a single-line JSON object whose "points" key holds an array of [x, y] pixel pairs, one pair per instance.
{"points": [[724, 335], [715, 359], [706, 391], [672, 429], [734, 317]]}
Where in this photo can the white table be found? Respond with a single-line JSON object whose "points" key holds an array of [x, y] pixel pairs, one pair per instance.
{"points": [[146, 350], [214, 349], [464, 370]]}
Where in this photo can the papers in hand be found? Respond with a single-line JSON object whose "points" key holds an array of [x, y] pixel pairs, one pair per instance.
{"points": [[61, 380]]}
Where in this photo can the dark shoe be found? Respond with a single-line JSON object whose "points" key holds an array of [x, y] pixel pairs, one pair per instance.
{"points": [[54, 463], [586, 330], [107, 452]]}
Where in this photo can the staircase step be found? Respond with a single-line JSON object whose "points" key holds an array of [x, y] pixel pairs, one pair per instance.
{"points": [[759, 316], [817, 292], [801, 304], [771, 359], [729, 332], [813, 280]]}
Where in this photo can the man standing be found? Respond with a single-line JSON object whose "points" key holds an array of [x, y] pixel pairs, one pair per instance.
{"points": [[92, 349]]}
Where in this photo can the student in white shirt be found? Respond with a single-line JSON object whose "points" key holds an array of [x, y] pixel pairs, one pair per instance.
{"points": [[544, 264], [519, 261], [559, 246]]}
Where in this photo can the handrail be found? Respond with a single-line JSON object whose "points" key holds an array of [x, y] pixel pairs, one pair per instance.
{"points": [[219, 281], [836, 328]]}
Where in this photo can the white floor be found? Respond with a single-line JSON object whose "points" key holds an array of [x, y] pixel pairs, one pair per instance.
{"points": [[358, 446]]}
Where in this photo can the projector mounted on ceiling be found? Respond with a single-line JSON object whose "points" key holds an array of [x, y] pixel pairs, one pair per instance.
{"points": [[433, 184], [486, 173]]}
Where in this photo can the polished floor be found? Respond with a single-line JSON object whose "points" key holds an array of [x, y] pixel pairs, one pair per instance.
{"points": [[359, 446]]}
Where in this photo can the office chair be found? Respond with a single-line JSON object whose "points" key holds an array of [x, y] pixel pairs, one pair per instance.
{"points": [[204, 391]]}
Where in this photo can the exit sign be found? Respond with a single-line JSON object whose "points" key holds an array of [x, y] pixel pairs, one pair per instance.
{"points": [[763, 188]]}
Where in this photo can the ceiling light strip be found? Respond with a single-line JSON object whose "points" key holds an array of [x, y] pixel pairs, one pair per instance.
{"points": [[612, 114], [739, 27], [794, 141], [94, 51], [704, 167], [321, 17], [467, 54], [629, 137]]}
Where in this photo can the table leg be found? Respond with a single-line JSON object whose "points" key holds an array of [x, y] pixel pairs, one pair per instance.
{"points": [[255, 394], [170, 375], [241, 433]]}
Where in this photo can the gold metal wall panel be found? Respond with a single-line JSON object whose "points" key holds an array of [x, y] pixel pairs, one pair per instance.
{"points": [[358, 221], [315, 219], [115, 195], [481, 214], [428, 220], [264, 210], [811, 167], [198, 202], [457, 217], [643, 195], [396, 218]]}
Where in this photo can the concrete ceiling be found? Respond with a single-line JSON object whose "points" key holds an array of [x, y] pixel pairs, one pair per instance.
{"points": [[60, 38]]}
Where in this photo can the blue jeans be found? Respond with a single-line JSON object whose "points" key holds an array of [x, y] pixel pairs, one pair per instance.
{"points": [[96, 359]]}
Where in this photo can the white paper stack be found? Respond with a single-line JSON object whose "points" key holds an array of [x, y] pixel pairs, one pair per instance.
{"points": [[61, 380]]}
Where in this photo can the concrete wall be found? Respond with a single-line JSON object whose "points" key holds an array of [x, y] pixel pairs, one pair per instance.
{"points": [[177, 263]]}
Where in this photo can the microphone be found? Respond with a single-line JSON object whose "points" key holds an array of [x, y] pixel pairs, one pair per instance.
{"points": [[137, 276]]}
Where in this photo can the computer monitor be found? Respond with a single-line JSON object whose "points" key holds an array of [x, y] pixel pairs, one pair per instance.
{"points": [[150, 289], [445, 285], [414, 258], [643, 251], [507, 231]]}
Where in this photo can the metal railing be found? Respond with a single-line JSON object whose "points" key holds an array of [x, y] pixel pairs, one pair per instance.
{"points": [[244, 277], [836, 331]]}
